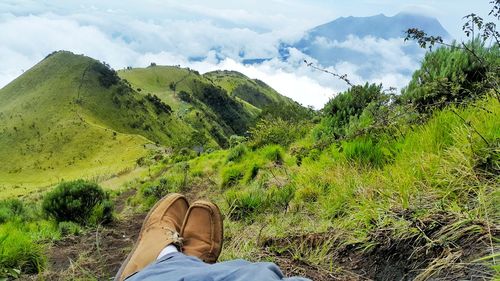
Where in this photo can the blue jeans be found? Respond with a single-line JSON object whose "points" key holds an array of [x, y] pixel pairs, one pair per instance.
{"points": [[179, 267]]}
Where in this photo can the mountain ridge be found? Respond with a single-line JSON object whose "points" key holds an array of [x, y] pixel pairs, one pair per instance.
{"points": [[72, 116]]}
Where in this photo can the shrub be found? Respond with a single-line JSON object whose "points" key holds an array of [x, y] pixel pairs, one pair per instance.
{"points": [[339, 110], [278, 131], [235, 140], [76, 201], [107, 76], [156, 190], [231, 176], [102, 213], [11, 208], [184, 96], [451, 74]]}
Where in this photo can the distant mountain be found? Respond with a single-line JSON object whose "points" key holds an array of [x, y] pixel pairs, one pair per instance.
{"points": [[379, 26], [327, 42], [71, 116]]}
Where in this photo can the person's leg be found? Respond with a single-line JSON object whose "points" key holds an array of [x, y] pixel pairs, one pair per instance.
{"points": [[179, 267], [202, 234], [160, 229]]}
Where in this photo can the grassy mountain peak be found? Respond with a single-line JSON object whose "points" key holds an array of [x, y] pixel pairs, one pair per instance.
{"points": [[71, 115]]}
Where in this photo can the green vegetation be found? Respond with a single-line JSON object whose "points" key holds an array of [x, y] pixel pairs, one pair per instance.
{"points": [[73, 117], [78, 201], [453, 74], [408, 184]]}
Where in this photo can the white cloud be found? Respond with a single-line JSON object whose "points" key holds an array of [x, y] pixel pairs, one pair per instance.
{"points": [[170, 32]]}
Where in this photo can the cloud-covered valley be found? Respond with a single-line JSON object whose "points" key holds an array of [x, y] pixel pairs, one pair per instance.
{"points": [[201, 39]]}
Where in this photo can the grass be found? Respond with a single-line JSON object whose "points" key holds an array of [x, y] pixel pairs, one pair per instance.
{"points": [[59, 123], [361, 189], [433, 187], [271, 202], [56, 138]]}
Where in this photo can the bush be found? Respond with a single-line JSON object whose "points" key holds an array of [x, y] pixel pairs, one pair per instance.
{"points": [[11, 208], [452, 75], [235, 140], [102, 213], [156, 190], [278, 131], [76, 201], [339, 110], [107, 76], [231, 176]]}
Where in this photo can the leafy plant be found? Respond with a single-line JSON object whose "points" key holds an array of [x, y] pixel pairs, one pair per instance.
{"points": [[277, 131], [340, 110], [77, 201]]}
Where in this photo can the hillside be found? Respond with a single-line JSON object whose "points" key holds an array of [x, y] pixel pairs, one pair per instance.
{"points": [[59, 122], [196, 100], [376, 186], [254, 92], [71, 116]]}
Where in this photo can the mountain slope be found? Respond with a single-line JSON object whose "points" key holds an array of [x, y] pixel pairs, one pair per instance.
{"points": [[224, 102], [254, 92], [72, 116], [379, 26]]}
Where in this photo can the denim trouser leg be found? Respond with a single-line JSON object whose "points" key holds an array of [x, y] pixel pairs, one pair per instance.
{"points": [[179, 267]]}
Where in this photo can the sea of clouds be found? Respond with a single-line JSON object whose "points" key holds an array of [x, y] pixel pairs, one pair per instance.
{"points": [[194, 36]]}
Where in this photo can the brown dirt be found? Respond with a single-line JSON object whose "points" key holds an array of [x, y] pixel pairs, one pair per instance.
{"points": [[98, 253], [390, 259]]}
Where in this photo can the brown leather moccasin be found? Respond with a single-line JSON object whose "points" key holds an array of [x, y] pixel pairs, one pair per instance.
{"points": [[160, 228], [202, 231]]}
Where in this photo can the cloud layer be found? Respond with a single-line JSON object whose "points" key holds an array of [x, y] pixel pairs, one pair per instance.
{"points": [[193, 36]]}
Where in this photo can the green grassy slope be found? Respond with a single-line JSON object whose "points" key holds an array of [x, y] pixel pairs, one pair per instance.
{"points": [[439, 193], [71, 116], [198, 103], [59, 122], [255, 92]]}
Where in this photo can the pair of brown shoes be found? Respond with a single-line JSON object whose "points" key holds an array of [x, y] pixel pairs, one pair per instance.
{"points": [[195, 230]]}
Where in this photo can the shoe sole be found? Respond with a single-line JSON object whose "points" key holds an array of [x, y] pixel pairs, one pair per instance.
{"points": [[171, 198], [216, 215]]}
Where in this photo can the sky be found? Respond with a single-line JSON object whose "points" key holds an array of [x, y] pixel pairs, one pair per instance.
{"points": [[219, 35]]}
